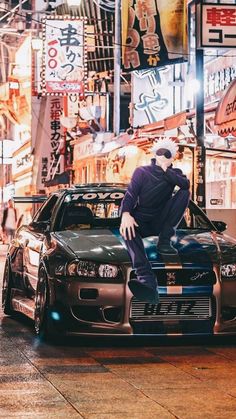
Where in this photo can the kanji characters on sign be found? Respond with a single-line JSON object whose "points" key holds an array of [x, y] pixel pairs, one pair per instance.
{"points": [[156, 33], [64, 56], [218, 25]]}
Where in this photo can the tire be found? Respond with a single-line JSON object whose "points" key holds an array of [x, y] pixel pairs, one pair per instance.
{"points": [[44, 325], [6, 289]]}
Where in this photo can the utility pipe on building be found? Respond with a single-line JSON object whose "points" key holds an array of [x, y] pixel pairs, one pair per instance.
{"points": [[200, 151], [117, 69]]}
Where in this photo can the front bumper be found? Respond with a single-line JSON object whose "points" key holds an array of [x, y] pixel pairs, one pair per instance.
{"points": [[87, 308]]}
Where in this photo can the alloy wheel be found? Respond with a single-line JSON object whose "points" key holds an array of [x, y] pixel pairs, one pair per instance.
{"points": [[40, 303], [6, 289]]}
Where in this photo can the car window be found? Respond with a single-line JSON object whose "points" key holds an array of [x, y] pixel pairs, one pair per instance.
{"points": [[195, 218], [45, 212], [87, 210], [91, 210]]}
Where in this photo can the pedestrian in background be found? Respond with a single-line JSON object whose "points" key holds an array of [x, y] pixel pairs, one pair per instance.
{"points": [[9, 222]]}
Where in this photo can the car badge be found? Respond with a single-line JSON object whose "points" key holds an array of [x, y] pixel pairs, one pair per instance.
{"points": [[171, 278], [198, 275]]}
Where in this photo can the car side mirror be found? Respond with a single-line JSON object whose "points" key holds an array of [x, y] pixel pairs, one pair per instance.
{"points": [[220, 225], [41, 226]]}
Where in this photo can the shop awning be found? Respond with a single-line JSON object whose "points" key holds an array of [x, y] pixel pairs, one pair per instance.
{"points": [[225, 117], [164, 126]]}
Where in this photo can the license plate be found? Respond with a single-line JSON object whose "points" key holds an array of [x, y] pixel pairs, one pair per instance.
{"points": [[177, 308], [173, 308]]}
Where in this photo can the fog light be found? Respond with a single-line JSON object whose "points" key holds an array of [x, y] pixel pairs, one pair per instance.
{"points": [[55, 315]]}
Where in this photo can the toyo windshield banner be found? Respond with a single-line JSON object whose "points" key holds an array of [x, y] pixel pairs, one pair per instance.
{"points": [[154, 33]]}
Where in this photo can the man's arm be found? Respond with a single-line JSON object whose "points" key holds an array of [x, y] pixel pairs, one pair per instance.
{"points": [[177, 178], [128, 223], [131, 196]]}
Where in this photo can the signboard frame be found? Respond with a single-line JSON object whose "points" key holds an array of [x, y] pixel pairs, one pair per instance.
{"points": [[64, 68], [216, 28]]}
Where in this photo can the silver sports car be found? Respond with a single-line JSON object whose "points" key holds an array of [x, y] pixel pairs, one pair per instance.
{"points": [[68, 271]]}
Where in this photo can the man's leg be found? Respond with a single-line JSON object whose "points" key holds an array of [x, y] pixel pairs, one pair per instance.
{"points": [[11, 234], [170, 217], [144, 288], [7, 236]]}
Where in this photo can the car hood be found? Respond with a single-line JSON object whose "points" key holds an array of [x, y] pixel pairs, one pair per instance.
{"points": [[194, 247]]}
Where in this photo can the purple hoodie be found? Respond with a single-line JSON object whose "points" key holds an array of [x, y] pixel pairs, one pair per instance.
{"points": [[150, 188]]}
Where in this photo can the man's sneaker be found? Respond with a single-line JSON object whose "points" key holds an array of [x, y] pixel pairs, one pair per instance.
{"points": [[143, 292], [166, 249]]}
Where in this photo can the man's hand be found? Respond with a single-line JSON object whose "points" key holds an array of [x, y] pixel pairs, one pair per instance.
{"points": [[165, 166], [163, 162], [127, 226]]}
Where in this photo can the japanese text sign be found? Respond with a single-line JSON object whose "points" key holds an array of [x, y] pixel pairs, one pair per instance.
{"points": [[64, 56], [218, 25], [151, 95], [51, 161], [155, 33]]}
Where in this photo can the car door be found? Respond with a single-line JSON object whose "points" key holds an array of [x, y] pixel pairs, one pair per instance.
{"points": [[31, 238]]}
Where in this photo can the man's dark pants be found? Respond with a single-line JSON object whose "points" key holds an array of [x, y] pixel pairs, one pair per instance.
{"points": [[162, 225]]}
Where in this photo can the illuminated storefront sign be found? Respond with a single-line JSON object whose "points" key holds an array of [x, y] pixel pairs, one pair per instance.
{"points": [[64, 69], [22, 161], [50, 164], [84, 149], [50, 160], [151, 96], [199, 162], [219, 80], [218, 25], [218, 74], [225, 117], [154, 33]]}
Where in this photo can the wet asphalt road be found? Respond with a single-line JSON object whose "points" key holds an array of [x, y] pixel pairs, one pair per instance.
{"points": [[114, 378]]}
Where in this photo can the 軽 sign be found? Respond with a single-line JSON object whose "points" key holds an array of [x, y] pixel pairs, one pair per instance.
{"points": [[218, 25]]}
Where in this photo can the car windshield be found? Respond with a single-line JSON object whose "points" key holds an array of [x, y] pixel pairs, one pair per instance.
{"points": [[94, 210], [90, 210]]}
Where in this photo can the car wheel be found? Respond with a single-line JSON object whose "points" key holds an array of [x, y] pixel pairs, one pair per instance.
{"points": [[6, 289], [43, 322]]}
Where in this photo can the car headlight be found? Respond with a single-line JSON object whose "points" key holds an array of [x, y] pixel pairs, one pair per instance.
{"points": [[108, 271], [228, 270], [91, 269], [82, 268]]}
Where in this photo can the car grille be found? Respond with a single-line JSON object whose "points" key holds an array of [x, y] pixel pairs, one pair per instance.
{"points": [[173, 307], [170, 277]]}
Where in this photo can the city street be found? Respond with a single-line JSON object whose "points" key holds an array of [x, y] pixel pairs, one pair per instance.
{"points": [[114, 378]]}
